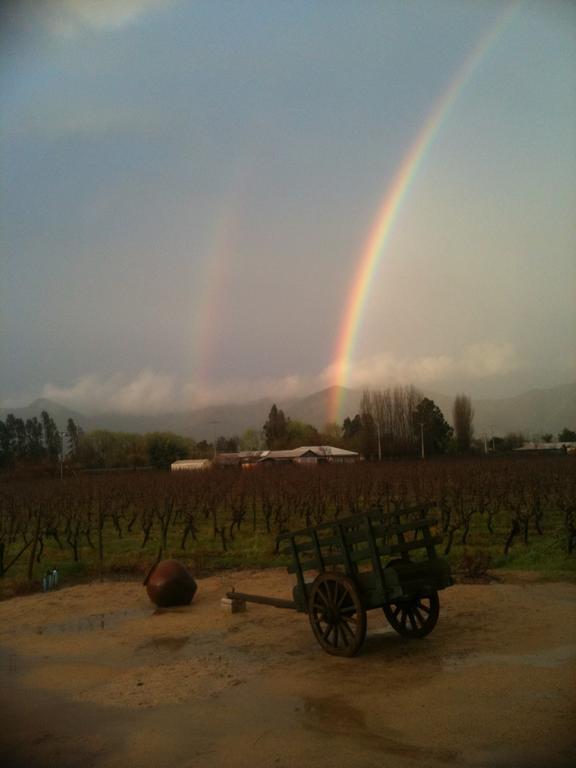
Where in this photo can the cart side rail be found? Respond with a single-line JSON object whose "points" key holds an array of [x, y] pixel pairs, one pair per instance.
{"points": [[388, 519], [337, 558], [359, 544], [383, 533]]}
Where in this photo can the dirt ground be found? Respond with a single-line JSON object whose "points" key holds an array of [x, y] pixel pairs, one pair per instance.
{"points": [[92, 675]]}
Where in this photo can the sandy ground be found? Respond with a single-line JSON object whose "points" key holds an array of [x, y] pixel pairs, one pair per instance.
{"points": [[92, 675]]}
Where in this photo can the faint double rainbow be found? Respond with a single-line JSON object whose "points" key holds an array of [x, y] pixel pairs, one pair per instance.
{"points": [[390, 207], [212, 288]]}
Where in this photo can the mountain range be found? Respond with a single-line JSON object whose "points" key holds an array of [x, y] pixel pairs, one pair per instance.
{"points": [[534, 412]]}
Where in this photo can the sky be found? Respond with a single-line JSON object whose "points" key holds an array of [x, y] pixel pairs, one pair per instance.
{"points": [[188, 190]]}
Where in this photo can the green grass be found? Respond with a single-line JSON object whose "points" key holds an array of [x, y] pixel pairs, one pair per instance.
{"points": [[125, 556], [545, 554], [248, 549]]}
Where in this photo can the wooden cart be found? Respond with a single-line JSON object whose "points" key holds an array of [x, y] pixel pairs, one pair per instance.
{"points": [[371, 560]]}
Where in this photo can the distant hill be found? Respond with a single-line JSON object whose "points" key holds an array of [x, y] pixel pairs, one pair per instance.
{"points": [[314, 408], [539, 410], [60, 413], [536, 411]]}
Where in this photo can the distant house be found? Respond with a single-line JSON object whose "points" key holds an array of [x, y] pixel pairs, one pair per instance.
{"points": [[190, 464], [306, 455], [244, 459], [311, 454], [547, 448]]}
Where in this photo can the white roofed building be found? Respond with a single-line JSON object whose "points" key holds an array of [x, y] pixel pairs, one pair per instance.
{"points": [[190, 464], [311, 454], [306, 455], [536, 447]]}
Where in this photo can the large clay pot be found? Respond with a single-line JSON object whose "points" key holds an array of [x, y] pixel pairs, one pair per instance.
{"points": [[170, 583]]}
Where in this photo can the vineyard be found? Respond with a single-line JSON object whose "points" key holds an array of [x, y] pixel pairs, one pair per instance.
{"points": [[498, 512]]}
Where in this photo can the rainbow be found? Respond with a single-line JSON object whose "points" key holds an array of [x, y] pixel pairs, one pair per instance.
{"points": [[391, 205], [212, 283]]}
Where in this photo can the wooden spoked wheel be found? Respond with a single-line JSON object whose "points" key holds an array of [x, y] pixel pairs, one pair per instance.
{"points": [[414, 617], [336, 614]]}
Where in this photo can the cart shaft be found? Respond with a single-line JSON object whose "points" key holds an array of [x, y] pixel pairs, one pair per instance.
{"points": [[262, 599]]}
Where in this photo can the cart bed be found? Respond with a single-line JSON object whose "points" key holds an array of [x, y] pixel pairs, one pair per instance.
{"points": [[388, 555]]}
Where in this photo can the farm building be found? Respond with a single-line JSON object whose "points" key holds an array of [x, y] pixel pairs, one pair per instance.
{"points": [[311, 454], [242, 458], [308, 454], [190, 464], [547, 448]]}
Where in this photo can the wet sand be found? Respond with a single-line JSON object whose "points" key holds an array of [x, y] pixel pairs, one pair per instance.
{"points": [[92, 675]]}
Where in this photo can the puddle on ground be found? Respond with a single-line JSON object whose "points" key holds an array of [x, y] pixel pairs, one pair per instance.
{"points": [[549, 657], [171, 644], [334, 713], [338, 718], [95, 622]]}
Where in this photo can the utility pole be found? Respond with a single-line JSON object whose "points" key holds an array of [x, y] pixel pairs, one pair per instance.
{"points": [[485, 445], [422, 439]]}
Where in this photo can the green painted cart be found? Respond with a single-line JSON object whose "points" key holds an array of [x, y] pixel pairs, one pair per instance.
{"points": [[349, 566]]}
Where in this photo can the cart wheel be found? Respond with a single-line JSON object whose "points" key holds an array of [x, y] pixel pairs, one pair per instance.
{"points": [[414, 617], [336, 614]]}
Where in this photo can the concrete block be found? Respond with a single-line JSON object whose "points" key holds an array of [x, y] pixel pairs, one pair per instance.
{"points": [[232, 606]]}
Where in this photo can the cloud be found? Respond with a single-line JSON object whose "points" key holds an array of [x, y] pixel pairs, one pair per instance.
{"points": [[489, 359], [244, 390], [72, 18], [87, 121], [147, 392], [155, 392], [475, 361]]}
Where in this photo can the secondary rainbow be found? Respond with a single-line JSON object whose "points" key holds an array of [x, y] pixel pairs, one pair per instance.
{"points": [[390, 207]]}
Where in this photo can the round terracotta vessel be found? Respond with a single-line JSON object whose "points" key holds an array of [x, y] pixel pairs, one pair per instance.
{"points": [[170, 583]]}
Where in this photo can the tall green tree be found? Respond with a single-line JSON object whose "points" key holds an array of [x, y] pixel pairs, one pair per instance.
{"points": [[510, 441], [34, 445], [73, 434], [16, 436], [10, 435], [13, 439], [567, 436], [332, 435], [252, 440], [202, 450], [52, 438], [299, 434], [351, 427], [103, 448], [21, 439], [6, 452], [437, 432], [166, 447], [463, 416], [276, 429], [227, 444]]}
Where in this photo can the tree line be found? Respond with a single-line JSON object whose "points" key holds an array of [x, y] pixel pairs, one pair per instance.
{"points": [[399, 421], [39, 441], [35, 440], [393, 422]]}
